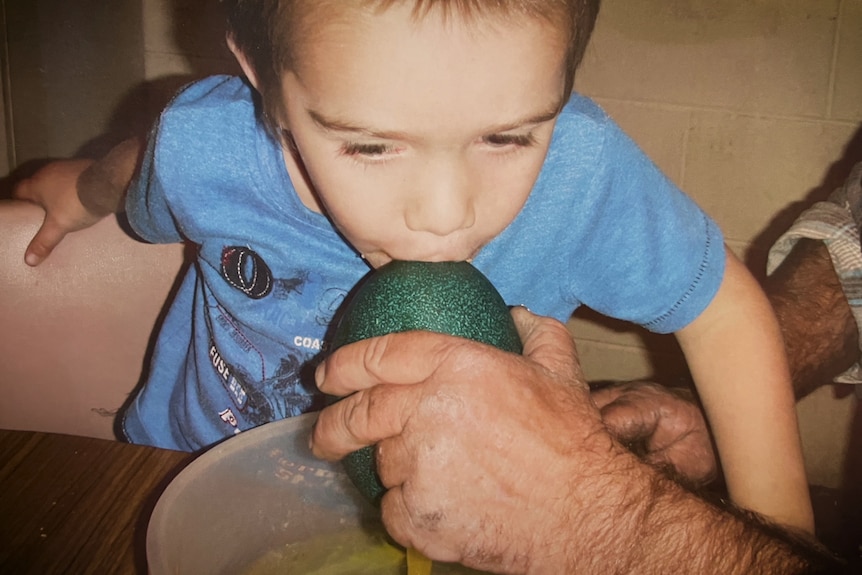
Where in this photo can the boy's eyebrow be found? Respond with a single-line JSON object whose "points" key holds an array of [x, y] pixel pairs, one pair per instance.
{"points": [[337, 125], [551, 112]]}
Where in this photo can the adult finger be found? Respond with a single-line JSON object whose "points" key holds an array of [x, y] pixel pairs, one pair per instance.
{"points": [[607, 395], [402, 526], [628, 423], [393, 460], [548, 342], [398, 358], [362, 419]]}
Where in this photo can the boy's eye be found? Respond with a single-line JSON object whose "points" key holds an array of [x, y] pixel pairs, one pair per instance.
{"points": [[354, 149], [501, 140]]}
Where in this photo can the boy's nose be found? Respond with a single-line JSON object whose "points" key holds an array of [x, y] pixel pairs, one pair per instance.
{"points": [[443, 206]]}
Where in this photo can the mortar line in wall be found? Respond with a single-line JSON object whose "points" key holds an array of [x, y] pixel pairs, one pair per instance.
{"points": [[620, 346], [685, 138], [833, 65], [6, 92], [675, 107]]}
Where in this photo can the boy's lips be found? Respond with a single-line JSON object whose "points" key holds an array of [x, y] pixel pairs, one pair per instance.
{"points": [[378, 259]]}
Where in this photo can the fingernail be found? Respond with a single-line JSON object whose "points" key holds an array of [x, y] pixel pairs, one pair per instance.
{"points": [[320, 374], [31, 260]]}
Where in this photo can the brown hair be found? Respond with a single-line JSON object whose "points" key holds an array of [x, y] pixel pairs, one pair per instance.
{"points": [[263, 29]]}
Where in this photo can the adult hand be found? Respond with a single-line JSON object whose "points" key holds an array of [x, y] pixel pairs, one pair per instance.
{"points": [[501, 462], [663, 426], [491, 459], [54, 187]]}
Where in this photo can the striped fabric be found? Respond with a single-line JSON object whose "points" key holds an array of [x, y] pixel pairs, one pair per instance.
{"points": [[836, 222]]}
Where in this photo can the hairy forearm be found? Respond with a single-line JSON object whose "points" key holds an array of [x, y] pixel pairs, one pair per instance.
{"points": [[706, 539], [819, 330], [102, 186], [658, 527]]}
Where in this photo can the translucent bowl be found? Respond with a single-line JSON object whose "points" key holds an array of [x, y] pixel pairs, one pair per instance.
{"points": [[248, 495]]}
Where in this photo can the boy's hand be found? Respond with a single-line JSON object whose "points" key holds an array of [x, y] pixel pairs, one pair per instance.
{"points": [[54, 187], [662, 425]]}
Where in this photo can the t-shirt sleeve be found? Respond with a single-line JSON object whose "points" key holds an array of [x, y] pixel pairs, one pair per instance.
{"points": [[652, 256], [147, 207]]}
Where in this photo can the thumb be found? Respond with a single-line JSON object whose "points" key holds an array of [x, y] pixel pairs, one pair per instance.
{"points": [[44, 242], [627, 423], [549, 343], [603, 396]]}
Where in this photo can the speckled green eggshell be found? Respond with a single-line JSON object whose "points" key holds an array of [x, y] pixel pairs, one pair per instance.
{"points": [[445, 297]]}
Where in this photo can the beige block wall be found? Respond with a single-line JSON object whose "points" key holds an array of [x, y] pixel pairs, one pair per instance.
{"points": [[754, 109], [183, 40], [70, 72]]}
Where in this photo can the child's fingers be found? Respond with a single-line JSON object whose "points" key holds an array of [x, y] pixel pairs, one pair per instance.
{"points": [[43, 243]]}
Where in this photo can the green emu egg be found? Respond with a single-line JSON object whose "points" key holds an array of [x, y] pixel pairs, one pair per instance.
{"points": [[445, 297]]}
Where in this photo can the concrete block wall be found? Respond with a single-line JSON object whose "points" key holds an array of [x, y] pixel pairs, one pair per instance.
{"points": [[755, 110]]}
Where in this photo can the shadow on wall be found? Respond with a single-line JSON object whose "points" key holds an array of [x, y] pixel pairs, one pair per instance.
{"points": [[836, 176], [198, 29], [196, 36], [194, 42]]}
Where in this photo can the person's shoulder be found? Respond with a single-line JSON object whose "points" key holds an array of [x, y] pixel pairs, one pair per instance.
{"points": [[210, 128], [581, 109], [213, 112], [211, 106], [212, 91], [582, 131]]}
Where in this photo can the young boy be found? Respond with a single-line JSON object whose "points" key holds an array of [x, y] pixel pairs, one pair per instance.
{"points": [[427, 130]]}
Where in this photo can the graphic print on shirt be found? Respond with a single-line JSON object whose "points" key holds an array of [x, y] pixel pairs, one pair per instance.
{"points": [[245, 270], [228, 417], [266, 365], [260, 393], [284, 288], [327, 304], [230, 382]]}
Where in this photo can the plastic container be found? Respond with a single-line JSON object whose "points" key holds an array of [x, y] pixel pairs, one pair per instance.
{"points": [[247, 496]]}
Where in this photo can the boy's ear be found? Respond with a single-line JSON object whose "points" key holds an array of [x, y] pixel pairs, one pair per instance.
{"points": [[244, 62]]}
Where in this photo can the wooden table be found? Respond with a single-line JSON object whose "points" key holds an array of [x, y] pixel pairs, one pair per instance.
{"points": [[77, 504]]}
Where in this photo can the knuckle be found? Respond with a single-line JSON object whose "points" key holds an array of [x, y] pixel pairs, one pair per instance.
{"points": [[39, 248], [375, 353], [355, 413], [370, 413]]}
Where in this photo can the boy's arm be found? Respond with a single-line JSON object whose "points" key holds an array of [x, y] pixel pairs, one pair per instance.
{"points": [[736, 356], [76, 194]]}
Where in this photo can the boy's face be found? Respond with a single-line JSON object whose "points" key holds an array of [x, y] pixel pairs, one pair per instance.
{"points": [[421, 139]]}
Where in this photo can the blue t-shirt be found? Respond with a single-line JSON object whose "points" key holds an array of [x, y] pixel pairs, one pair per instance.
{"points": [[602, 227]]}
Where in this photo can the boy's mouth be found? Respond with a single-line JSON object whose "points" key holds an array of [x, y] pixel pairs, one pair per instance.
{"points": [[378, 259]]}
